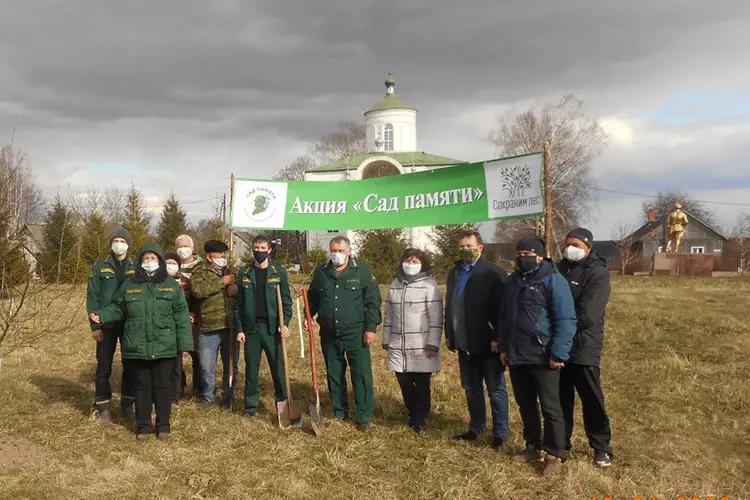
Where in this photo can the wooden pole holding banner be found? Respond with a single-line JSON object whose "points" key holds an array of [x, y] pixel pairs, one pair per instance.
{"points": [[300, 329], [548, 234], [230, 314]]}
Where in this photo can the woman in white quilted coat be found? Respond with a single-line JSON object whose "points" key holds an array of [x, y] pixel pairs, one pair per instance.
{"points": [[411, 333]]}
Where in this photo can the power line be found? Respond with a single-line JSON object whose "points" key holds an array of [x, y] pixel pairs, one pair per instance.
{"points": [[644, 195]]}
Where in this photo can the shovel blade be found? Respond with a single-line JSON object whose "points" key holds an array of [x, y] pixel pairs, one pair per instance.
{"points": [[289, 414], [316, 420]]}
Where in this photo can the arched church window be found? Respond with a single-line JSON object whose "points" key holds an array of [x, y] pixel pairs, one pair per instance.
{"points": [[388, 137]]}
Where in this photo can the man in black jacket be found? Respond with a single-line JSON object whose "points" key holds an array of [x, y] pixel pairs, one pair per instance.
{"points": [[588, 277], [474, 287]]}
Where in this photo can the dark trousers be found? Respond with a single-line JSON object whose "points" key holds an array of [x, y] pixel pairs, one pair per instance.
{"points": [[152, 379], [478, 371], [105, 354], [534, 385], [179, 378], [585, 380], [338, 354], [256, 343], [415, 388]]}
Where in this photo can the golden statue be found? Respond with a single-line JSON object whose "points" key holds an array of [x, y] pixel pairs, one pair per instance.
{"points": [[676, 223]]}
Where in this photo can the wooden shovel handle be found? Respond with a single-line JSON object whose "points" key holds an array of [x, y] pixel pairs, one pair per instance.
{"points": [[310, 339], [280, 307]]}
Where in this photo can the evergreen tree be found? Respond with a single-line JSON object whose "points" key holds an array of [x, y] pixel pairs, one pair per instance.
{"points": [[136, 219], [94, 239], [59, 259], [173, 223], [382, 250]]}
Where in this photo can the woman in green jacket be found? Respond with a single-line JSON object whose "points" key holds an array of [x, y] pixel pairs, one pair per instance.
{"points": [[156, 327]]}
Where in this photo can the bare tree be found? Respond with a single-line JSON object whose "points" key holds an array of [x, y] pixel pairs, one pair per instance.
{"points": [[575, 139], [625, 249], [295, 169], [741, 234], [113, 205], [665, 200], [347, 139]]}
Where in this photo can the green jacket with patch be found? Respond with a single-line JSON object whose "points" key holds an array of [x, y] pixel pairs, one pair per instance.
{"points": [[245, 304], [215, 310], [103, 283], [155, 313], [348, 304]]}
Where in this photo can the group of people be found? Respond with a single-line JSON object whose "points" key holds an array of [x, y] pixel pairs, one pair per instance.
{"points": [[543, 321]]}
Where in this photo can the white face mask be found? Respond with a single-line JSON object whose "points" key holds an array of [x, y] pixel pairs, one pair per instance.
{"points": [[574, 254], [172, 269], [119, 248], [221, 262], [150, 267], [184, 252], [338, 258], [411, 269]]}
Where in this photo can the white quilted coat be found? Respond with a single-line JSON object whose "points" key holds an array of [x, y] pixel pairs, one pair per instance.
{"points": [[413, 320]]}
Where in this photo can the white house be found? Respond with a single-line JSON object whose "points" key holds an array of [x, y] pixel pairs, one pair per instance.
{"points": [[391, 138]]}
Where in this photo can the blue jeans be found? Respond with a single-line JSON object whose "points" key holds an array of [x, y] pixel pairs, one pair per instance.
{"points": [[476, 371], [209, 345]]}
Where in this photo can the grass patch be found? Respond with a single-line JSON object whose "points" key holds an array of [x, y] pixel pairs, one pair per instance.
{"points": [[676, 377]]}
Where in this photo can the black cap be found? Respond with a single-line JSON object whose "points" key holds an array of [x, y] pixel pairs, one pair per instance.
{"points": [[173, 256], [531, 244], [215, 246], [123, 233], [582, 234]]}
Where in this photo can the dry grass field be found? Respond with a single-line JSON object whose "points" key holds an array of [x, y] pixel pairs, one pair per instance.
{"points": [[676, 373]]}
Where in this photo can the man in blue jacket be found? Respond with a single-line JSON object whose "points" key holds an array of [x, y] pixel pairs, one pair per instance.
{"points": [[538, 321]]}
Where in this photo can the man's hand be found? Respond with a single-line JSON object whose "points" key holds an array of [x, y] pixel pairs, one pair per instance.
{"points": [[192, 318], [228, 279], [97, 335], [284, 331], [555, 365], [504, 358], [232, 290], [95, 318], [494, 346], [240, 337], [370, 337], [430, 353]]}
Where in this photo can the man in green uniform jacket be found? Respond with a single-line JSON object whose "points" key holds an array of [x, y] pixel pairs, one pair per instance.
{"points": [[346, 298], [156, 327], [105, 278], [258, 321]]}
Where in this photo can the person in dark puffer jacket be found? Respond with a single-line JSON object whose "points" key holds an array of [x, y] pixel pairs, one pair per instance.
{"points": [[156, 327], [588, 277], [538, 323]]}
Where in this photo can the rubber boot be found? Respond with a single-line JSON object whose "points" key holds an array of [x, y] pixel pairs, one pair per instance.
{"points": [[126, 405], [105, 416]]}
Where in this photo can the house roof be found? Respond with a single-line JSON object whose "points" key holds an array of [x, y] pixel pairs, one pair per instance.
{"points": [[648, 227], [416, 158]]}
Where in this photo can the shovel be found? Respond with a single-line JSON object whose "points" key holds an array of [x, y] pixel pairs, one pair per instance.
{"points": [[315, 417], [289, 413]]}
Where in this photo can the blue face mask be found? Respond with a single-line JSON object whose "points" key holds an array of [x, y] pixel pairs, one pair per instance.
{"points": [[150, 267], [338, 258], [260, 257]]}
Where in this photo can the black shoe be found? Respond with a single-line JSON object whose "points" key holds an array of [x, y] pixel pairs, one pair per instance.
{"points": [[419, 428], [249, 412], [602, 458], [466, 436], [365, 427], [497, 443], [227, 405], [341, 418], [105, 416], [127, 411]]}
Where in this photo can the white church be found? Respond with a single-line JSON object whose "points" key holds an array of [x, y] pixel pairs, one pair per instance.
{"points": [[391, 140]]}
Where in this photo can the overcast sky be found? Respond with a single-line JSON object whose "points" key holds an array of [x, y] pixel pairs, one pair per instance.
{"points": [[179, 94]]}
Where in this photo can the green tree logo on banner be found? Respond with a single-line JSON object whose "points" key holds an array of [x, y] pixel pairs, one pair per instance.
{"points": [[515, 180]]}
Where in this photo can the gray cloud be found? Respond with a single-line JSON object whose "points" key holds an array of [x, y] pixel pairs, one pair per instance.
{"points": [[221, 86]]}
